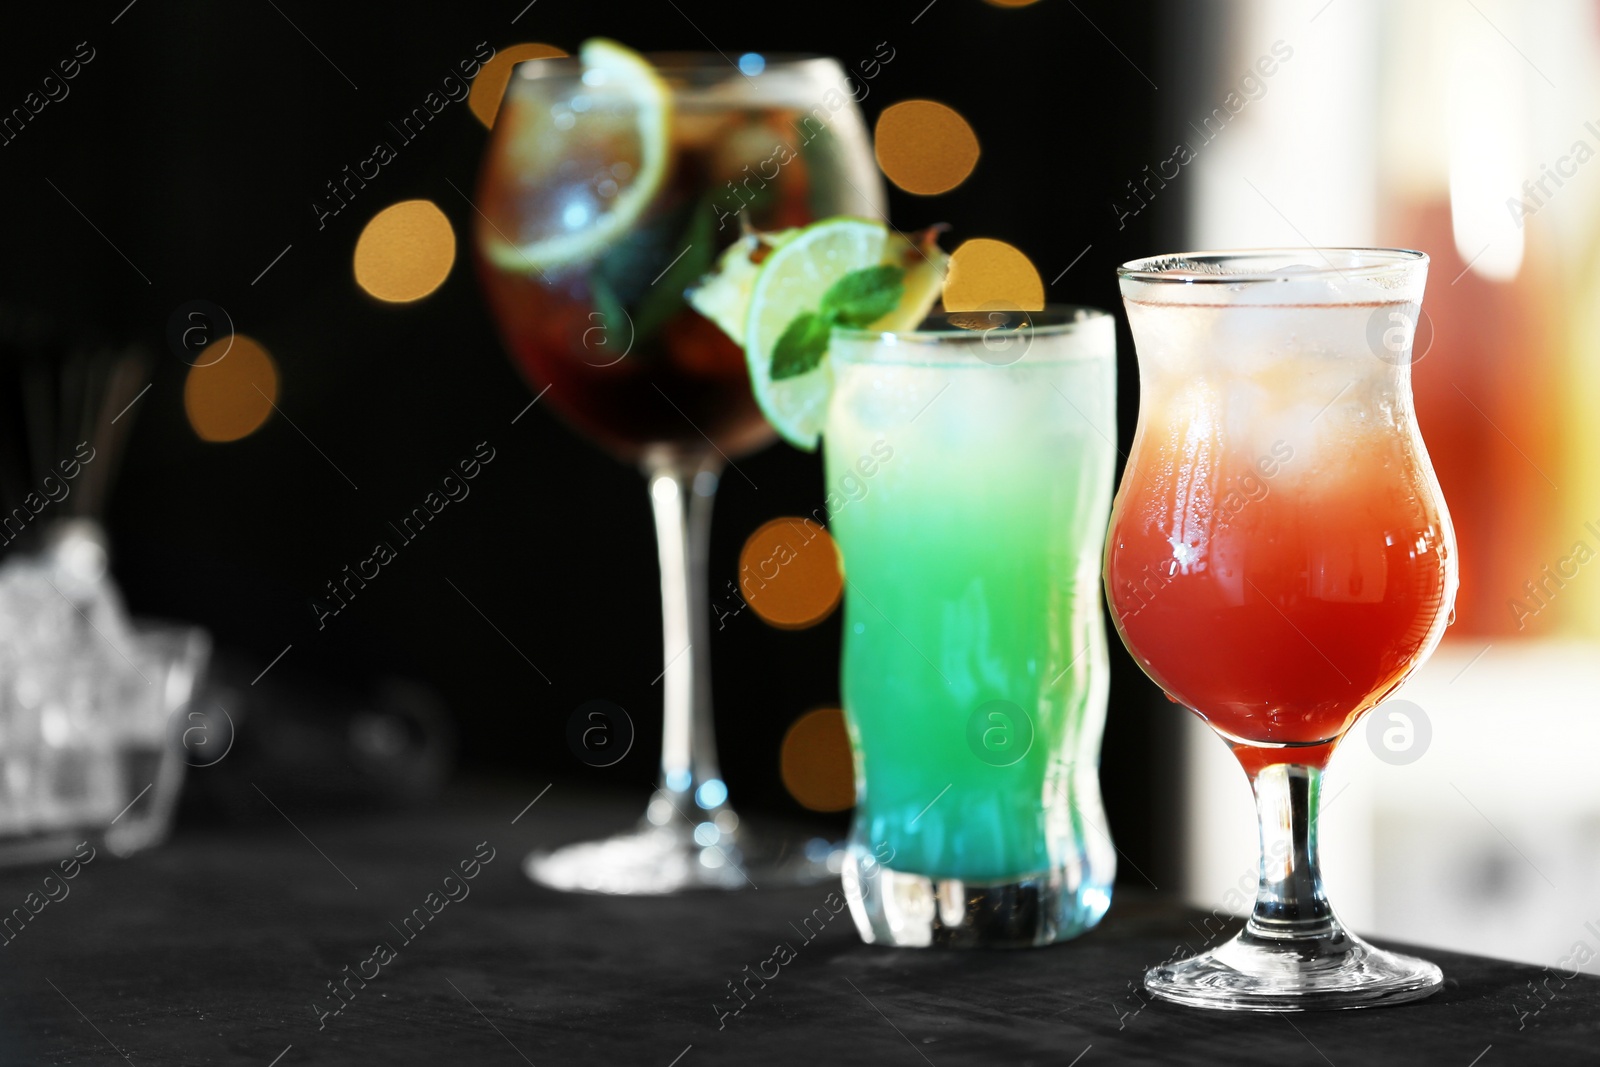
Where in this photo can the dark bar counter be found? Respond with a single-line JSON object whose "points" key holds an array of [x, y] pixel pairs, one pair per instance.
{"points": [[300, 943]]}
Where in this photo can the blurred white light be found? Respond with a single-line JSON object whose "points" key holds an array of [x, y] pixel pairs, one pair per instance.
{"points": [[711, 793], [1292, 164], [660, 811], [1487, 104]]}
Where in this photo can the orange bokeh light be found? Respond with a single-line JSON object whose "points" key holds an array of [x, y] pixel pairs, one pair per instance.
{"points": [[988, 275], [489, 87], [229, 397], [789, 573], [405, 251], [925, 147], [816, 764]]}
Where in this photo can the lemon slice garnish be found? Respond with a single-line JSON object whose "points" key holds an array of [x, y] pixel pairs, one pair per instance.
{"points": [[643, 112]]}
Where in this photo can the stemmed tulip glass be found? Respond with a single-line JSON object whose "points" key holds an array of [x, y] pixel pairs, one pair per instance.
{"points": [[1280, 560], [608, 190]]}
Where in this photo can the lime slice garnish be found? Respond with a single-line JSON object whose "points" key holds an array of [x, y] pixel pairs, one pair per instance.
{"points": [[608, 68], [792, 282]]}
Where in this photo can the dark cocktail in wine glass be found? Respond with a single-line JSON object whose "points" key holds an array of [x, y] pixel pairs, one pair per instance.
{"points": [[612, 182]]}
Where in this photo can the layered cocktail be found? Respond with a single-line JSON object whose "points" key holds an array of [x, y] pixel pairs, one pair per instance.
{"points": [[1280, 560], [974, 672]]}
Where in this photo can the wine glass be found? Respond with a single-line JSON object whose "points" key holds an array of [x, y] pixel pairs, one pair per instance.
{"points": [[1280, 560], [606, 192]]}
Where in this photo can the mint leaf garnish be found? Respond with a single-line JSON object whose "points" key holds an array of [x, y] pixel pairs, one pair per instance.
{"points": [[801, 345], [664, 297], [858, 299], [864, 296], [613, 319]]}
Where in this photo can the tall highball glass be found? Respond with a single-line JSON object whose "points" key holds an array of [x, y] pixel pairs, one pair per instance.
{"points": [[976, 459], [1280, 560]]}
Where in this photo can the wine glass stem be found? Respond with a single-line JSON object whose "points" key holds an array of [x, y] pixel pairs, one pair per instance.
{"points": [[1290, 902], [682, 487]]}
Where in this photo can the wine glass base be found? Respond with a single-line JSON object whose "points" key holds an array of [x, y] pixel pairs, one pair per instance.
{"points": [[652, 860], [1258, 974]]}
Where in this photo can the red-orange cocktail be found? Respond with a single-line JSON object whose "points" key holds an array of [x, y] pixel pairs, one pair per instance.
{"points": [[1279, 561]]}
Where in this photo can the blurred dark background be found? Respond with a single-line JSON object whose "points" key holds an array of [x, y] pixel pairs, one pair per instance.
{"points": [[195, 143]]}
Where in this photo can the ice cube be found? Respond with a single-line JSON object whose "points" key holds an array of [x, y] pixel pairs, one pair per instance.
{"points": [[64, 639]]}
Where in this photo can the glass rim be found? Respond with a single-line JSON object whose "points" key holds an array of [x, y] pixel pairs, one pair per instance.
{"points": [[1167, 269], [1064, 319], [677, 62]]}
